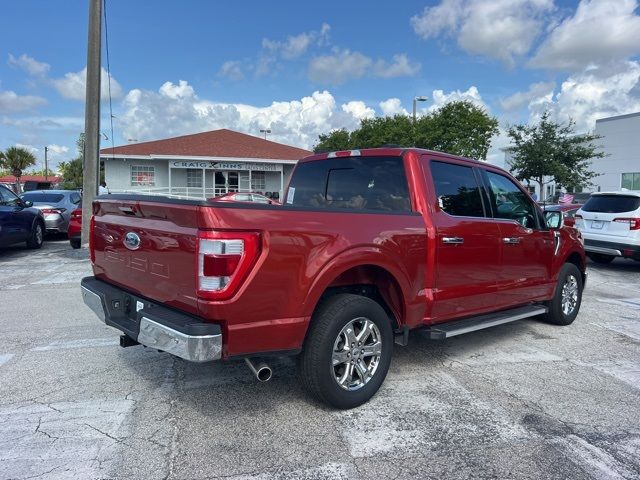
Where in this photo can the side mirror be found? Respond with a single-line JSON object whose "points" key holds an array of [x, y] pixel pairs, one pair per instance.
{"points": [[555, 220], [27, 203]]}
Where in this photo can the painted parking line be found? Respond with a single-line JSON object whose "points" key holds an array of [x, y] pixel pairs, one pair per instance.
{"points": [[629, 328], [80, 343]]}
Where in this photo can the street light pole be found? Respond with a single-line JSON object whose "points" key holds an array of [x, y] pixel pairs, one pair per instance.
{"points": [[265, 131], [416, 99], [46, 165]]}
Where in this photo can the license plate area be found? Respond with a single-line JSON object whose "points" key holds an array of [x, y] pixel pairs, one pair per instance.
{"points": [[597, 224]]}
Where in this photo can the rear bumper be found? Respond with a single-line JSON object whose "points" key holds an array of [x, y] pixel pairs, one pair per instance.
{"points": [[152, 324], [612, 248], [55, 223]]}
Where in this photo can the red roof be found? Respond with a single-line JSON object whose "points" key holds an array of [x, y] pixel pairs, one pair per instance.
{"points": [[217, 143], [31, 178]]}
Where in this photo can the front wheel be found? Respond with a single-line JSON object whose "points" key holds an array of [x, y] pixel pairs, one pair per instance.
{"points": [[37, 235], [347, 352], [565, 305]]}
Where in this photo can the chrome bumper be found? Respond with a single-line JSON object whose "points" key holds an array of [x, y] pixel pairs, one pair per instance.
{"points": [[148, 328], [604, 250]]}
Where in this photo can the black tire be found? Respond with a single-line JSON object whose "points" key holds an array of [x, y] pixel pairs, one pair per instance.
{"points": [[75, 243], [601, 258], [569, 275], [36, 238], [315, 364]]}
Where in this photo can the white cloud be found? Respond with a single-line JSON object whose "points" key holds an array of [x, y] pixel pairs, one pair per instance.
{"points": [[401, 66], [56, 152], [296, 45], [232, 70], [358, 109], [30, 148], [472, 95], [391, 107], [344, 65], [594, 93], [537, 93], [177, 110], [500, 29], [600, 31], [11, 102], [73, 85], [29, 65]]}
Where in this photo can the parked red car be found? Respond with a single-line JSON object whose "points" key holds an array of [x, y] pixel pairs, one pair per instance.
{"points": [[247, 197], [75, 227], [368, 246]]}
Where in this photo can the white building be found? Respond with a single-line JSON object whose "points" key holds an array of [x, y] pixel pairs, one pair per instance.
{"points": [[201, 165], [621, 143]]}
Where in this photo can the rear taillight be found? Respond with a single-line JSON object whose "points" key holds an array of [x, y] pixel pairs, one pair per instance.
{"points": [[634, 223], [53, 211], [224, 260], [77, 214]]}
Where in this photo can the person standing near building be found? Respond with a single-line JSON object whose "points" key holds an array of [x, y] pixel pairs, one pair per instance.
{"points": [[102, 189]]}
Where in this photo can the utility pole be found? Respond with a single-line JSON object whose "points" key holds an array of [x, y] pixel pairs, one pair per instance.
{"points": [[46, 165], [91, 117]]}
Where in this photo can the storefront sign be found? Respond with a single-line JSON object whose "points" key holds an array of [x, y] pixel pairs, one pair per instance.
{"points": [[234, 166]]}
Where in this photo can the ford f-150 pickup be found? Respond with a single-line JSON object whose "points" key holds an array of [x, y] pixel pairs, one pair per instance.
{"points": [[368, 245]]}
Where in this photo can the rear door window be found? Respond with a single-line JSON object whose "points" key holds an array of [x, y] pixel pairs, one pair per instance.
{"points": [[457, 189], [352, 183], [611, 203]]}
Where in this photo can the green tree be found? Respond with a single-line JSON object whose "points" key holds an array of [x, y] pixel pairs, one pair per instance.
{"points": [[551, 149], [16, 159], [460, 128], [378, 131], [73, 169], [333, 141]]}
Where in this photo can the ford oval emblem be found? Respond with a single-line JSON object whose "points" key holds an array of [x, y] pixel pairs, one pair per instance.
{"points": [[132, 241]]}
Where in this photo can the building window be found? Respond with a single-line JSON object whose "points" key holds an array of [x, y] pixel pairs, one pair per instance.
{"points": [[631, 181], [142, 175], [258, 182], [194, 177]]}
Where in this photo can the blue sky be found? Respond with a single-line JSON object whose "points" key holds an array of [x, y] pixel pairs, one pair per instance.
{"points": [[302, 69]]}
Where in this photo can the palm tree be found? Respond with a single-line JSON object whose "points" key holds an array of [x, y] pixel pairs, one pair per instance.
{"points": [[16, 159]]}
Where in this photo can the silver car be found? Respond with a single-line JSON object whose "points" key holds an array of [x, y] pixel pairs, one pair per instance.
{"points": [[55, 205]]}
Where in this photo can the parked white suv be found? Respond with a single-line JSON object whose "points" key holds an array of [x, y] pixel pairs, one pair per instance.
{"points": [[610, 225]]}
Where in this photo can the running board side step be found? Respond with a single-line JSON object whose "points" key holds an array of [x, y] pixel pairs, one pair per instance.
{"points": [[458, 327]]}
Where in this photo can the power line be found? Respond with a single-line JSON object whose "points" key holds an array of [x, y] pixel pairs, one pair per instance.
{"points": [[106, 43]]}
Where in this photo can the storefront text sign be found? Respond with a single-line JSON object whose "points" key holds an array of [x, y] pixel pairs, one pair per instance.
{"points": [[260, 167]]}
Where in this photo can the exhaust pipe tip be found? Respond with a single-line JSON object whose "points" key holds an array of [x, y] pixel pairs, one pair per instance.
{"points": [[261, 371]]}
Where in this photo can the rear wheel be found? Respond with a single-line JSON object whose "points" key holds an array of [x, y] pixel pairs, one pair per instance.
{"points": [[37, 235], [347, 352], [601, 257], [565, 305]]}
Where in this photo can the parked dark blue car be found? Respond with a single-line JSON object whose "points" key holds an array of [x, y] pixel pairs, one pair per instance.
{"points": [[19, 221]]}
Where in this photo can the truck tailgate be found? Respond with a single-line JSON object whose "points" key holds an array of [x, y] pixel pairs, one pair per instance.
{"points": [[148, 248]]}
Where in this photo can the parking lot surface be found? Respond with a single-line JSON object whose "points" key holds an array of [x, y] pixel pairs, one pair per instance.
{"points": [[523, 400]]}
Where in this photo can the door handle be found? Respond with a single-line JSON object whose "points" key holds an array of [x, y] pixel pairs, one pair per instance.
{"points": [[511, 240], [453, 240]]}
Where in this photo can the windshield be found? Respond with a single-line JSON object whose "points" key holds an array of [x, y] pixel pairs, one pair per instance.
{"points": [[611, 203], [43, 197]]}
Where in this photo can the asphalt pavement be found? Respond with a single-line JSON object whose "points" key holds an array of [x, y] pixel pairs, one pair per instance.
{"points": [[524, 400]]}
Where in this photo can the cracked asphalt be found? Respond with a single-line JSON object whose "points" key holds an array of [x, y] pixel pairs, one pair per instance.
{"points": [[525, 400]]}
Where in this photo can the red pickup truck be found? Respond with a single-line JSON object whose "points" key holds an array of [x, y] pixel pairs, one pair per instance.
{"points": [[368, 245]]}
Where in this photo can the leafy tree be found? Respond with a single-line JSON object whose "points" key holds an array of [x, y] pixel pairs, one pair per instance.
{"points": [[333, 141], [16, 159], [73, 169], [551, 149], [460, 128]]}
